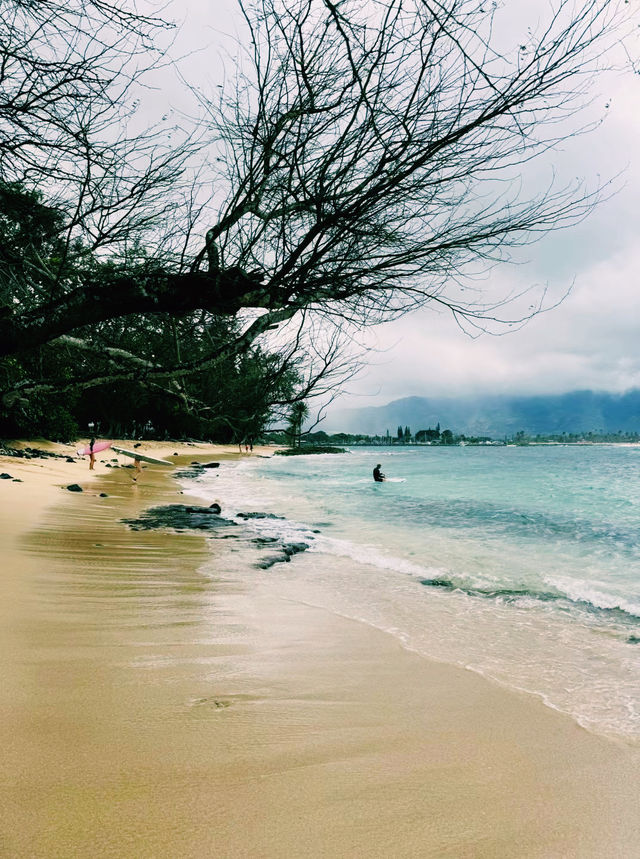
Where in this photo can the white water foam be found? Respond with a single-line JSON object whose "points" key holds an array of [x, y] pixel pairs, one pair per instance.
{"points": [[587, 671], [588, 592]]}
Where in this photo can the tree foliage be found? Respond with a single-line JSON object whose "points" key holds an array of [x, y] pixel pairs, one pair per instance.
{"points": [[298, 414], [361, 158]]}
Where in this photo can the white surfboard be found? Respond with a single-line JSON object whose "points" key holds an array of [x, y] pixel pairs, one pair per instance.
{"points": [[143, 457]]}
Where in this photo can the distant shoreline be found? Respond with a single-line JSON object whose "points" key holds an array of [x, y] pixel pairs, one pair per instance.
{"points": [[493, 443]]}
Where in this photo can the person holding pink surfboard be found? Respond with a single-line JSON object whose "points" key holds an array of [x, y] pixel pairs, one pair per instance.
{"points": [[92, 448]]}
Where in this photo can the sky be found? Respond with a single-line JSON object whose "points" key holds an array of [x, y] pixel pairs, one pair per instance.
{"points": [[589, 341]]}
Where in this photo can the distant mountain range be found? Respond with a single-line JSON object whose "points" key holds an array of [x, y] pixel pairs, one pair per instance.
{"points": [[497, 416]]}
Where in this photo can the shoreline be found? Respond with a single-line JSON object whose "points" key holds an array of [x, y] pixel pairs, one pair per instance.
{"points": [[155, 711]]}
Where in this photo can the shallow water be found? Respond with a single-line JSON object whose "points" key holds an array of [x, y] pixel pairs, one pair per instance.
{"points": [[520, 563]]}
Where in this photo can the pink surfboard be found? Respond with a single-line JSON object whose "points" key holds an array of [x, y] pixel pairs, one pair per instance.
{"points": [[97, 447]]}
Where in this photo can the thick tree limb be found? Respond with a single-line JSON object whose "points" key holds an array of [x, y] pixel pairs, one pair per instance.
{"points": [[225, 293], [362, 162], [146, 370]]}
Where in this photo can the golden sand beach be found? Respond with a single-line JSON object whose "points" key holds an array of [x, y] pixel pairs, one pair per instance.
{"points": [[149, 710]]}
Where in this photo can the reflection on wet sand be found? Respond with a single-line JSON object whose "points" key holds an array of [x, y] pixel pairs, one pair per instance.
{"points": [[154, 711]]}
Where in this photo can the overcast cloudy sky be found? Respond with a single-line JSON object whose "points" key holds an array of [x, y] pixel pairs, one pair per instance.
{"points": [[589, 341]]}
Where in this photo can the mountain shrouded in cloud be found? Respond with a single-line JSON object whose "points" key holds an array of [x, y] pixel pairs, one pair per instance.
{"points": [[496, 416]]}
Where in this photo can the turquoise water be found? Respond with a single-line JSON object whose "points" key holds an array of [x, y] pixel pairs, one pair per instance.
{"points": [[519, 563]]}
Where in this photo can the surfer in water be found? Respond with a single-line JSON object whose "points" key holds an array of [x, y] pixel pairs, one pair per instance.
{"points": [[378, 476]]}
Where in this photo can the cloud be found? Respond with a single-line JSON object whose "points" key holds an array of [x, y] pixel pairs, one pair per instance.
{"points": [[589, 341]]}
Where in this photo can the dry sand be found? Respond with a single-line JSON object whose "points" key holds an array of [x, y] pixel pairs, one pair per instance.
{"points": [[151, 711]]}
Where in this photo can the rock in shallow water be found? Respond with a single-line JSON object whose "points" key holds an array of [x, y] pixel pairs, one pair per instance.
{"points": [[270, 560], [294, 548], [179, 516], [187, 517], [258, 516]]}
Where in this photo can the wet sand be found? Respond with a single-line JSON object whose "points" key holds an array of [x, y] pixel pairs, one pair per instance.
{"points": [[149, 710]]}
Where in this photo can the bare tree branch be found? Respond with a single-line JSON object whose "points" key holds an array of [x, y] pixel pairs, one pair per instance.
{"points": [[365, 157]]}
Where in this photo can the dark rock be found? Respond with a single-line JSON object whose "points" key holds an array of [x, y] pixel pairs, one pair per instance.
{"points": [[17, 480], [191, 473], [32, 453], [210, 465], [5, 476], [270, 560], [215, 507], [180, 516], [73, 487], [258, 516], [108, 465], [305, 451], [633, 639], [203, 510], [70, 459], [294, 548], [103, 495], [438, 583], [287, 551]]}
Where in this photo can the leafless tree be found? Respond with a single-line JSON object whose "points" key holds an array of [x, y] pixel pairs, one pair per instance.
{"points": [[364, 157], [70, 75], [375, 150]]}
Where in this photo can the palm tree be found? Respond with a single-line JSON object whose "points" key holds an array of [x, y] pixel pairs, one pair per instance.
{"points": [[297, 416]]}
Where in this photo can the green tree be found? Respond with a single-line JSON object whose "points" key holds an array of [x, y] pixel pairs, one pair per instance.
{"points": [[427, 435], [297, 416], [358, 158]]}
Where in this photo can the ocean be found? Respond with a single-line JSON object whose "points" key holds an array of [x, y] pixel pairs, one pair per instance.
{"points": [[519, 563]]}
